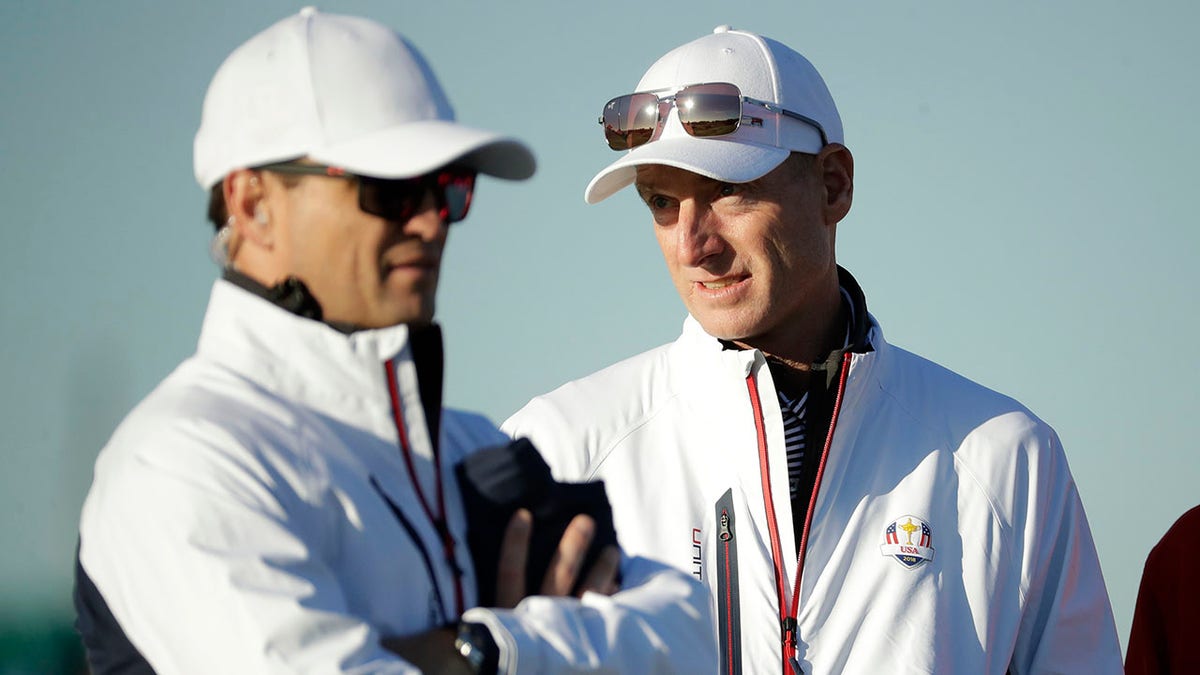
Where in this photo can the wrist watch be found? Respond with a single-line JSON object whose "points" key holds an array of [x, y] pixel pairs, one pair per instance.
{"points": [[476, 644]]}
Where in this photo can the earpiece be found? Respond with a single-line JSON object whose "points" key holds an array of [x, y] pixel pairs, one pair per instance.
{"points": [[260, 215], [218, 248]]}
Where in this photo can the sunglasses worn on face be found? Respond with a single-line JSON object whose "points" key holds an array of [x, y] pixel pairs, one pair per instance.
{"points": [[705, 110], [397, 199]]}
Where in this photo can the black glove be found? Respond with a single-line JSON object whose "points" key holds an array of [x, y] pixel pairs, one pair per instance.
{"points": [[495, 482]]}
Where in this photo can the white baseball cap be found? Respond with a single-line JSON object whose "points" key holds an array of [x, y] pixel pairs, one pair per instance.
{"points": [[343, 91], [762, 69]]}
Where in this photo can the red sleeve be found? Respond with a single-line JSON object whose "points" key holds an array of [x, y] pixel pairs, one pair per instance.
{"points": [[1144, 655], [1166, 619]]}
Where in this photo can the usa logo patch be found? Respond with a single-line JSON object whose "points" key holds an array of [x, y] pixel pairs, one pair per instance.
{"points": [[909, 540]]}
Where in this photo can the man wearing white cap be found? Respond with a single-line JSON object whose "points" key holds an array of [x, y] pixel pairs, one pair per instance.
{"points": [[285, 501], [852, 507]]}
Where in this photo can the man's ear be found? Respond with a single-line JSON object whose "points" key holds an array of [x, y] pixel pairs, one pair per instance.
{"points": [[837, 173], [246, 203]]}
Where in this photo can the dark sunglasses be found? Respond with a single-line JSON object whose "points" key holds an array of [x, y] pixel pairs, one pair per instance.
{"points": [[705, 110], [397, 199]]}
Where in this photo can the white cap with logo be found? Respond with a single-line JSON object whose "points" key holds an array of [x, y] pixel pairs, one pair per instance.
{"points": [[762, 69], [343, 91]]}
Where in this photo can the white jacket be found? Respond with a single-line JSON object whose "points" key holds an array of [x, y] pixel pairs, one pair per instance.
{"points": [[946, 532], [257, 514]]}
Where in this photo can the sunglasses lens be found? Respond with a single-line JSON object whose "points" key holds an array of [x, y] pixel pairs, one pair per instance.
{"points": [[630, 120], [709, 109], [395, 200], [704, 110], [398, 200], [456, 189]]}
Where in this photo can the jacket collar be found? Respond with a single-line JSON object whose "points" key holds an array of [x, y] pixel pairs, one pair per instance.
{"points": [[290, 294], [309, 361]]}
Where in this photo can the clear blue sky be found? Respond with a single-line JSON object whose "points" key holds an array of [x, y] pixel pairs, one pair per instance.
{"points": [[1023, 214]]}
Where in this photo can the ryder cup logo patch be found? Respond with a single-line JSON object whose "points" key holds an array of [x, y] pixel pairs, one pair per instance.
{"points": [[909, 540]]}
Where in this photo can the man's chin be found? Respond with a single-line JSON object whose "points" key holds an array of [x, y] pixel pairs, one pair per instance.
{"points": [[722, 328], [409, 315]]}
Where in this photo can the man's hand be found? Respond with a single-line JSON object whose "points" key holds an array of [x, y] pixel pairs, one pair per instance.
{"points": [[432, 651], [564, 566]]}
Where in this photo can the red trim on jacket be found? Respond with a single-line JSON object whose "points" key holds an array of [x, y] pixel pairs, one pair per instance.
{"points": [[438, 519], [788, 612]]}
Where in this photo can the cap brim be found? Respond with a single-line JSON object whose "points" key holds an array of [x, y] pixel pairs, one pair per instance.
{"points": [[420, 147], [732, 161]]}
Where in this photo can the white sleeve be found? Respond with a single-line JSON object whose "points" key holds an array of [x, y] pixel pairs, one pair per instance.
{"points": [[211, 564], [1067, 625], [566, 450], [661, 623]]}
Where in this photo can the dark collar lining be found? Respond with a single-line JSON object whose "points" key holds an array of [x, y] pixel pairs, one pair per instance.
{"points": [[858, 330], [290, 294]]}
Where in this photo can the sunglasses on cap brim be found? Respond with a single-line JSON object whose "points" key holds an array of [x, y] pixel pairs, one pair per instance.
{"points": [[704, 110], [398, 199]]}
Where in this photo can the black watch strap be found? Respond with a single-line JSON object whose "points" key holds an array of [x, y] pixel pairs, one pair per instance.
{"points": [[476, 644]]}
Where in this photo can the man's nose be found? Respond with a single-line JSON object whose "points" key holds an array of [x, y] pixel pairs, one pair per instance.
{"points": [[698, 232], [426, 223]]}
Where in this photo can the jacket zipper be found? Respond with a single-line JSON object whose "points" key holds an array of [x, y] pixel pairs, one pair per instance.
{"points": [[728, 600], [438, 519], [787, 612]]}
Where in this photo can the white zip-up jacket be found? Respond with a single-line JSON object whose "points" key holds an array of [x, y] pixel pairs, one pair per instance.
{"points": [[276, 505], [946, 532]]}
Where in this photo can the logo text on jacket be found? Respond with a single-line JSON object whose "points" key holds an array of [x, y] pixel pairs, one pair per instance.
{"points": [[909, 540]]}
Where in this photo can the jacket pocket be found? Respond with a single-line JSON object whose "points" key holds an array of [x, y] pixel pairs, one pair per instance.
{"points": [[729, 618]]}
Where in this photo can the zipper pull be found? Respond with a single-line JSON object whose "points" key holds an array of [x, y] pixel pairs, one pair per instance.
{"points": [[725, 533], [791, 630]]}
